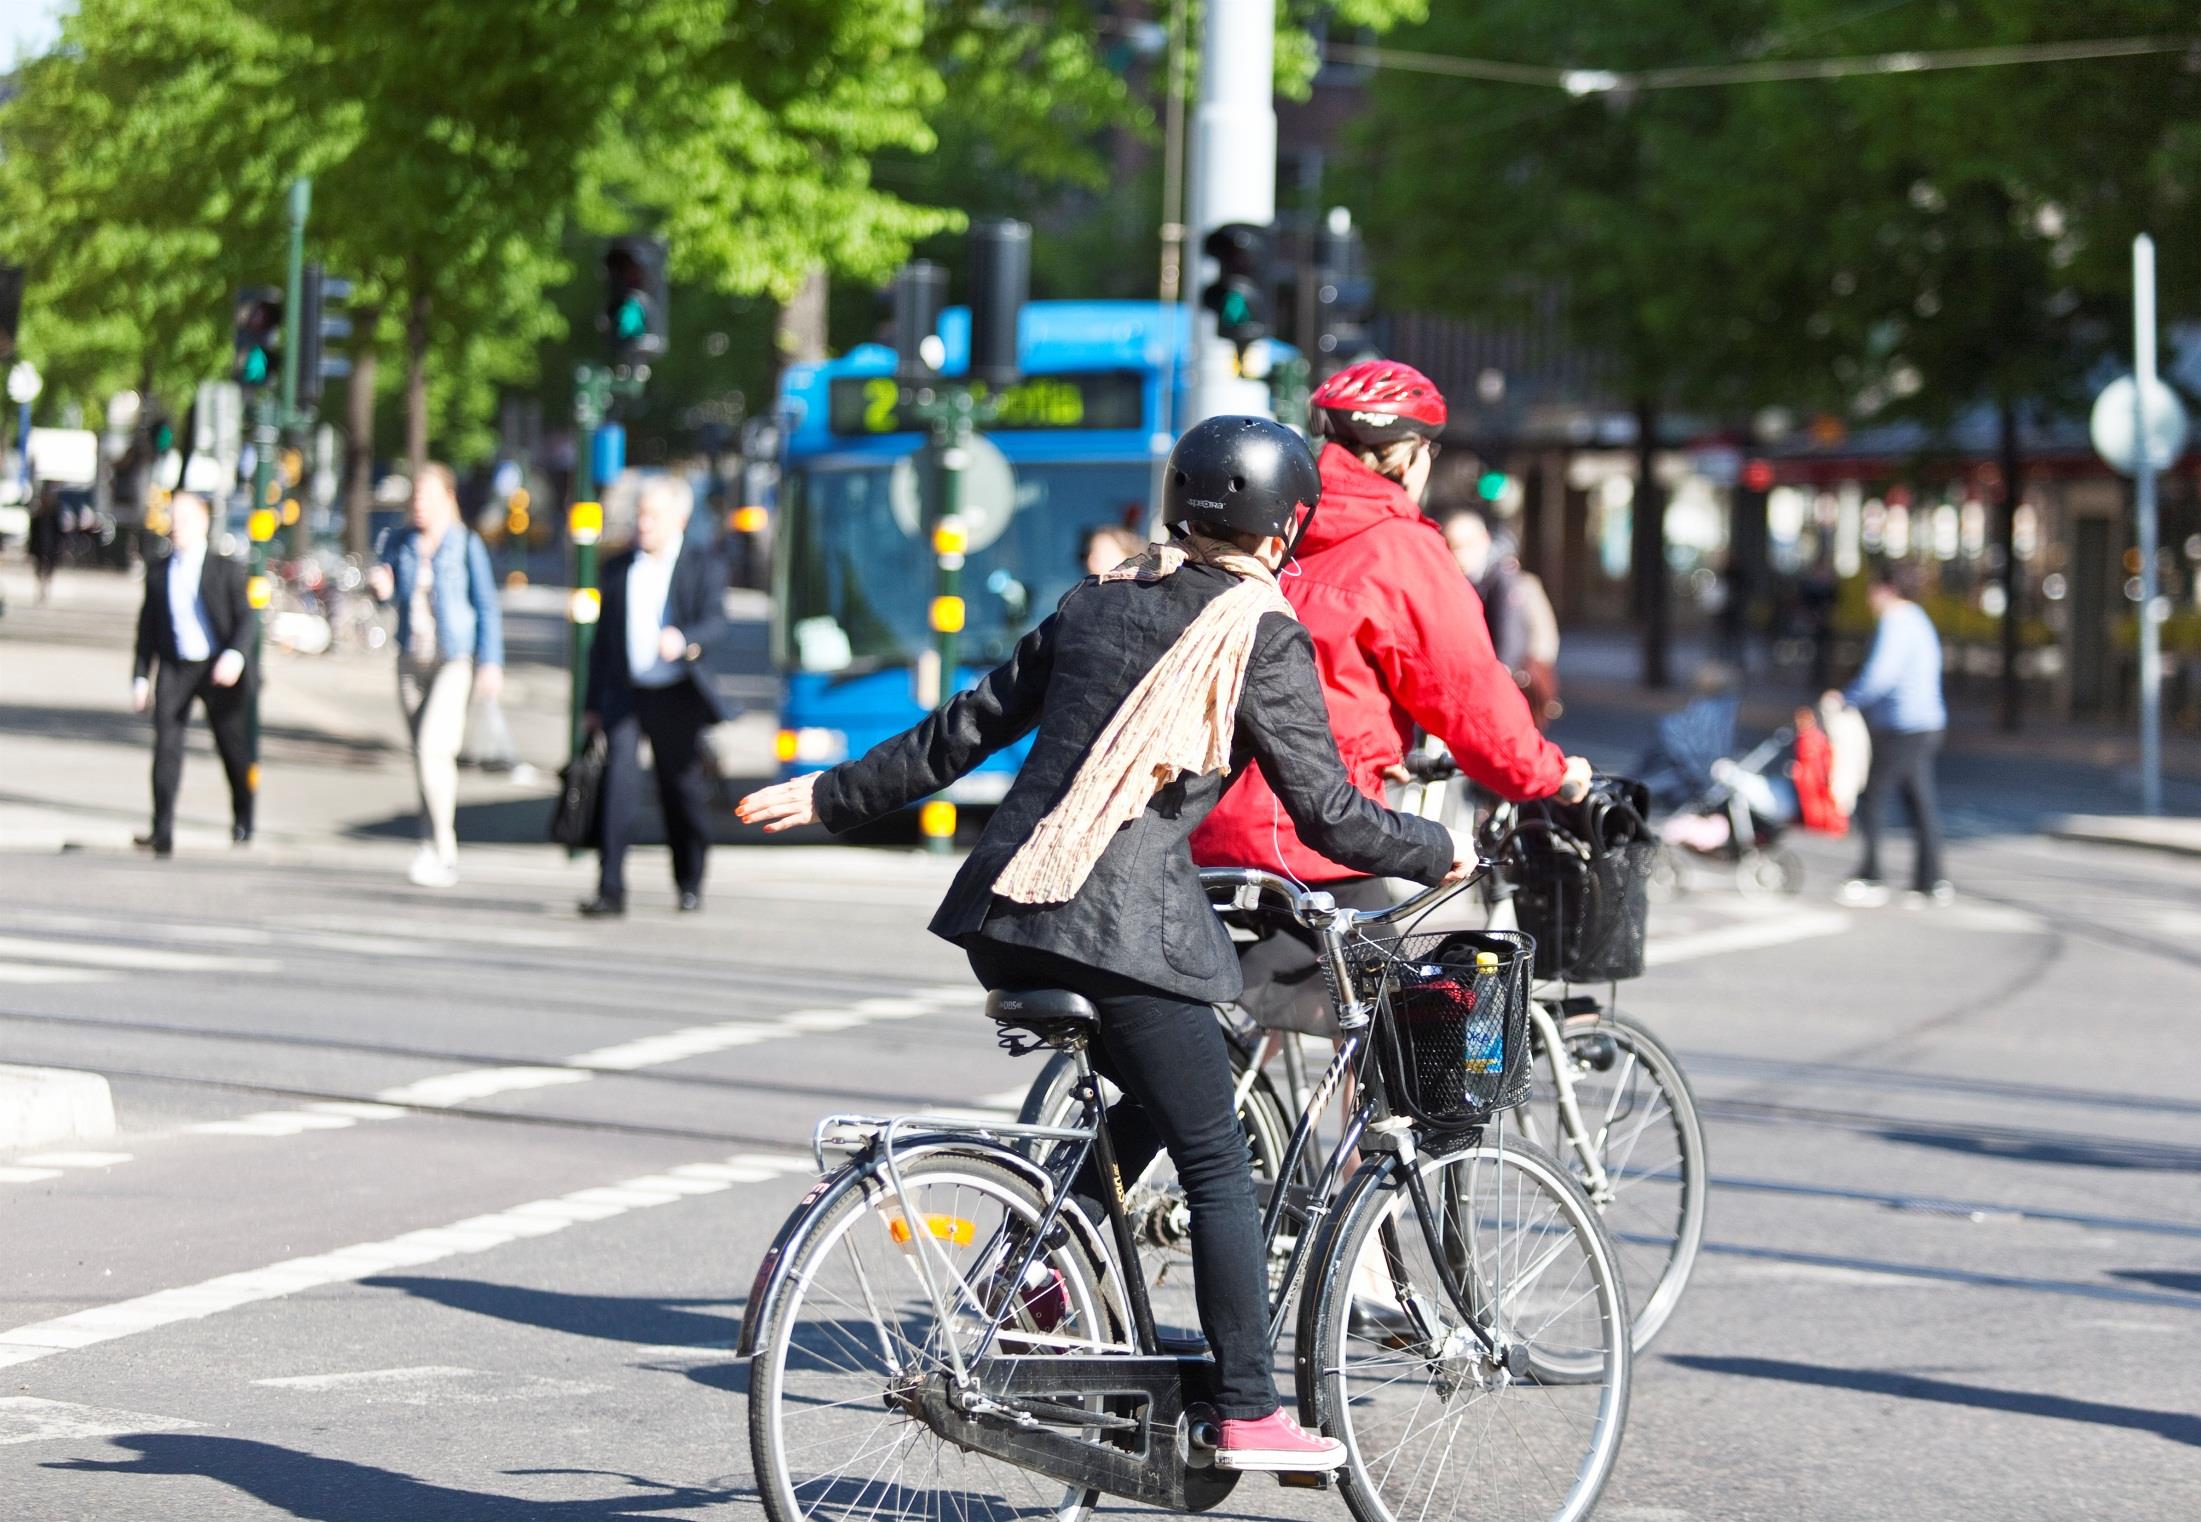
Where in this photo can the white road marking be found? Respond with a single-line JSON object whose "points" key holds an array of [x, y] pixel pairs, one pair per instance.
{"points": [[1800, 925], [27, 1419], [17, 972], [348, 1265], [273, 1123], [478, 1083], [430, 1385], [27, 1175], [128, 958], [74, 1159]]}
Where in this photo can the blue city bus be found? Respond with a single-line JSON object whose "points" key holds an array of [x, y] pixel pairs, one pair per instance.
{"points": [[1075, 446]]}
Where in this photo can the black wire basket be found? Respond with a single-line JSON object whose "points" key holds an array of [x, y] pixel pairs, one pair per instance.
{"points": [[1452, 1023], [1581, 878]]}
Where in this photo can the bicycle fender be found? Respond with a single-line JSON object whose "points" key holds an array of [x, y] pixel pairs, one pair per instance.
{"points": [[866, 1169]]}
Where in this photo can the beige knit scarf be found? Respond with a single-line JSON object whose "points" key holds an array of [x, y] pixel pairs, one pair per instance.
{"points": [[1178, 720]]}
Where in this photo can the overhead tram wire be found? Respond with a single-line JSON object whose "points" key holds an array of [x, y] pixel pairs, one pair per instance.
{"points": [[1591, 81]]}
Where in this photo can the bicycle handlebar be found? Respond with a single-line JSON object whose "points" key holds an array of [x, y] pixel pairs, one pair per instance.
{"points": [[1312, 906]]}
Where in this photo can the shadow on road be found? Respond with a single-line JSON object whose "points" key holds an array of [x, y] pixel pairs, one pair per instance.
{"points": [[617, 1318], [2177, 1426], [119, 726], [2161, 1278], [336, 1490]]}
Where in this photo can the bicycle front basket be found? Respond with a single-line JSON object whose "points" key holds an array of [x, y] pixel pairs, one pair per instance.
{"points": [[1452, 1023]]}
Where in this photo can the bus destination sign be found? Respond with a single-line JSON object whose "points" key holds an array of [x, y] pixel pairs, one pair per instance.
{"points": [[1076, 400]]}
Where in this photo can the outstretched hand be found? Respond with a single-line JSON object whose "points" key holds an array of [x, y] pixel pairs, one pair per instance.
{"points": [[782, 806]]}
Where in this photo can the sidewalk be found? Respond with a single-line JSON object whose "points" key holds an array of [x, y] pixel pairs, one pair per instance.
{"points": [[335, 763], [2050, 773]]}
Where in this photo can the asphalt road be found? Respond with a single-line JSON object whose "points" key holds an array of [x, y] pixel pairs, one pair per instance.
{"points": [[443, 1208]]}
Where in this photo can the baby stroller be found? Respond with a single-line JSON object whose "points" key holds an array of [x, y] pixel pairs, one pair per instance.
{"points": [[1732, 812]]}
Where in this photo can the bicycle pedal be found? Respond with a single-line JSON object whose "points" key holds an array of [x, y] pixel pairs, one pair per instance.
{"points": [[1304, 1479]]}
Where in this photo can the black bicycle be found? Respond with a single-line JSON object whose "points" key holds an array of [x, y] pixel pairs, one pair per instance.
{"points": [[940, 1330]]}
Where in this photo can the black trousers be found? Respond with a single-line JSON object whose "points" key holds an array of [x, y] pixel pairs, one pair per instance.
{"points": [[1168, 1056], [1902, 763], [228, 715], [674, 718]]}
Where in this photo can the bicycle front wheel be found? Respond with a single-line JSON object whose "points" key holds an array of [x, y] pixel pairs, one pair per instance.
{"points": [[1439, 1421], [1639, 1123], [852, 1329]]}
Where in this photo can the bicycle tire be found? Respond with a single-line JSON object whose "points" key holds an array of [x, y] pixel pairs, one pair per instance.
{"points": [[1654, 1203], [1353, 1380], [823, 1358]]}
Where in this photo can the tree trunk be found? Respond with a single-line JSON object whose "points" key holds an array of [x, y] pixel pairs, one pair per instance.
{"points": [[1647, 558], [359, 432], [416, 386], [2011, 705], [798, 332]]}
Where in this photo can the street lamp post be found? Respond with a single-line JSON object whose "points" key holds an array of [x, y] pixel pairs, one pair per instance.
{"points": [[24, 384]]}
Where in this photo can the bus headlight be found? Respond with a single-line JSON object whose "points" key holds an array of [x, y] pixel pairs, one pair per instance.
{"points": [[812, 747]]}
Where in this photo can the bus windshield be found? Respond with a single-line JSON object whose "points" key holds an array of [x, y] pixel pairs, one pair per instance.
{"points": [[857, 576]]}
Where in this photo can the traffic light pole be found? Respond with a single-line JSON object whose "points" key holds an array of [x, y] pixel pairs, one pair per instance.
{"points": [[301, 200], [584, 528], [1233, 177]]}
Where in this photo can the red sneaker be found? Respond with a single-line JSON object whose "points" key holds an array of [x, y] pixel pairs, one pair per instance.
{"points": [[1277, 1444]]}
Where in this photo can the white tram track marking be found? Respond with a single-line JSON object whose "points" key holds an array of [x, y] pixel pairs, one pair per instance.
{"points": [[412, 1249]]}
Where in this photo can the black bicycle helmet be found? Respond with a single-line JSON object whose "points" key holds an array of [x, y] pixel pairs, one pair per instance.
{"points": [[1248, 474]]}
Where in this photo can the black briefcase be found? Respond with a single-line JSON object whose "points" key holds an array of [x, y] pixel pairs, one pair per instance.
{"points": [[578, 821]]}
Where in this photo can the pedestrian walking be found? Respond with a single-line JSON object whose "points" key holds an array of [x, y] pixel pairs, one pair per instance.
{"points": [[193, 643], [664, 615], [45, 540], [450, 649], [1899, 693]]}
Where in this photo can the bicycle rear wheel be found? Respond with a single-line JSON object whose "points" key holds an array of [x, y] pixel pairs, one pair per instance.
{"points": [[1640, 1121], [1436, 1426], [852, 1324]]}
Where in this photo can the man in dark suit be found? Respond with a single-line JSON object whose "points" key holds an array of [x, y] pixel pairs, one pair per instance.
{"points": [[195, 632], [664, 612]]}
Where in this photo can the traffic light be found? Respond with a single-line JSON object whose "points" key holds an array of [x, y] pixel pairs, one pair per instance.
{"points": [[634, 299], [317, 326], [11, 306], [1001, 277], [1345, 299], [919, 291], [259, 335], [1239, 293]]}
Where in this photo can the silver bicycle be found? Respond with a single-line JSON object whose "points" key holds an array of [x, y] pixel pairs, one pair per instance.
{"points": [[941, 1330]]}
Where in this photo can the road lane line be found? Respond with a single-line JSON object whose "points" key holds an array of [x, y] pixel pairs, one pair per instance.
{"points": [[348, 1265], [74, 1159], [17, 972], [1803, 925], [27, 1175], [128, 958], [430, 1385], [27, 1419], [441, 1093]]}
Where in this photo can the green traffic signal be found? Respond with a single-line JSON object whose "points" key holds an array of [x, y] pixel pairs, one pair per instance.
{"points": [[1491, 486], [632, 320], [255, 368]]}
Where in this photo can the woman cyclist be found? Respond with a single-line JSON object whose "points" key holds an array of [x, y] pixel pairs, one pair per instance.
{"points": [[1401, 642], [1150, 685]]}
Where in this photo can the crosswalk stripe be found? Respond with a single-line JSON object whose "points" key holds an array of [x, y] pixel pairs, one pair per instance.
{"points": [[127, 958]]}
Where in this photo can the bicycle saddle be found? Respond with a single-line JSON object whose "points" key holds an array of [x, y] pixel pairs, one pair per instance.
{"points": [[1051, 1016]]}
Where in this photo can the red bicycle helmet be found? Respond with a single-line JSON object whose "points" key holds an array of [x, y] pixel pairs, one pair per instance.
{"points": [[1376, 402]]}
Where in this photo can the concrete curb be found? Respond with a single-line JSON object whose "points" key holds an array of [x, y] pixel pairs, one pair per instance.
{"points": [[39, 1106], [2178, 837]]}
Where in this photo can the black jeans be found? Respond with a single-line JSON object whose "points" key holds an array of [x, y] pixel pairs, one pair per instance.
{"points": [[228, 714], [674, 718], [1168, 1056], [1902, 763]]}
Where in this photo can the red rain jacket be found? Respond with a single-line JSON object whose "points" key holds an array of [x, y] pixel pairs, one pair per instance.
{"points": [[1400, 641]]}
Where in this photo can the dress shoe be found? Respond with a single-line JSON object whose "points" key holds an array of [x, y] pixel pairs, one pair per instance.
{"points": [[602, 908], [690, 902], [240, 834], [160, 845]]}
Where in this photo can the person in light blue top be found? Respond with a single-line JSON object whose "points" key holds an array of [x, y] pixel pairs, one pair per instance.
{"points": [[450, 650], [1899, 693]]}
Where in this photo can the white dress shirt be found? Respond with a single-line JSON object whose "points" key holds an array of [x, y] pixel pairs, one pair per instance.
{"points": [[649, 584], [186, 609]]}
